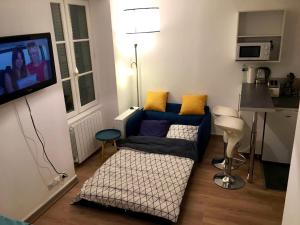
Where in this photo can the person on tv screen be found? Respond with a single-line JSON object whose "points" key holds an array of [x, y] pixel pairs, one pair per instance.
{"points": [[37, 65], [18, 71]]}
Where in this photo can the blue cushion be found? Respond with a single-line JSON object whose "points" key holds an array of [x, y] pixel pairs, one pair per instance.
{"points": [[173, 107], [157, 128], [171, 114], [173, 117]]}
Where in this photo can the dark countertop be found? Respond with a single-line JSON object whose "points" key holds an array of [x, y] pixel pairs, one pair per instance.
{"points": [[291, 102], [256, 97]]}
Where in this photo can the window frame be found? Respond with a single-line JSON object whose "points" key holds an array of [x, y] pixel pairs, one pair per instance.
{"points": [[70, 52]]}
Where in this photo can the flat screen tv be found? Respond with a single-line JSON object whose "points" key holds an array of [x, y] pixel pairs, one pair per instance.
{"points": [[26, 65]]}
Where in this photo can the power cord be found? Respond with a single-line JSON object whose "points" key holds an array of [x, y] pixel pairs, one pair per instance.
{"points": [[40, 137], [32, 150]]}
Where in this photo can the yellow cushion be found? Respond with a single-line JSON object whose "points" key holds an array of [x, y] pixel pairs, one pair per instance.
{"points": [[156, 100], [193, 104]]}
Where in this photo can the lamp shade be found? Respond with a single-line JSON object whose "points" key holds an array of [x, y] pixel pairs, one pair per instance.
{"points": [[142, 20]]}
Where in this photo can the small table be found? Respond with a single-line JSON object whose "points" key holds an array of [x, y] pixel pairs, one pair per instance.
{"points": [[108, 135]]}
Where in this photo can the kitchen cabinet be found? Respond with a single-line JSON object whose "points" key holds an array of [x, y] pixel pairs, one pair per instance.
{"points": [[279, 135], [263, 26]]}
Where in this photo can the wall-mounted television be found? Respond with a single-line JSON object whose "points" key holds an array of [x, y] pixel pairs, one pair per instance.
{"points": [[26, 65]]}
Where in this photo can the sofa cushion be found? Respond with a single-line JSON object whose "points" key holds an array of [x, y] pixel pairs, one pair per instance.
{"points": [[193, 104], [173, 107], [157, 128], [156, 100], [173, 117], [186, 132]]}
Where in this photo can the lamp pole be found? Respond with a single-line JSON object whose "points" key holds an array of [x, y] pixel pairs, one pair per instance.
{"points": [[137, 76], [141, 14]]}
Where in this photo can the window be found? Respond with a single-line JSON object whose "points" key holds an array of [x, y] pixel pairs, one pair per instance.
{"points": [[70, 22]]}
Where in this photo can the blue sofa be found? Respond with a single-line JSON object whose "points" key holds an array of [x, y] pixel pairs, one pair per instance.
{"points": [[171, 114]]}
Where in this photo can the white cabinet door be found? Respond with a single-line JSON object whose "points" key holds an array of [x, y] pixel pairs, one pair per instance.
{"points": [[279, 136], [245, 142]]}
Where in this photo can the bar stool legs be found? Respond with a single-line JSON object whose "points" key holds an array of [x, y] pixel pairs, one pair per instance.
{"points": [[226, 179], [233, 127], [220, 163], [236, 162]]}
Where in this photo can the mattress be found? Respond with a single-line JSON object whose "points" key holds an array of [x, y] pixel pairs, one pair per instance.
{"points": [[141, 182]]}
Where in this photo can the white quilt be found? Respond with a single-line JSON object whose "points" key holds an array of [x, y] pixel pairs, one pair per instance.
{"points": [[140, 182]]}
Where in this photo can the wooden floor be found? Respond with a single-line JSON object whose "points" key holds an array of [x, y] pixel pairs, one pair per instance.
{"points": [[204, 202]]}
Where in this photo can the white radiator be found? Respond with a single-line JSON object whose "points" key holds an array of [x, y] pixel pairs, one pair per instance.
{"points": [[82, 135]]}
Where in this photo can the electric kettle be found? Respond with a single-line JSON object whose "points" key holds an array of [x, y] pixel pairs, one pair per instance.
{"points": [[262, 75]]}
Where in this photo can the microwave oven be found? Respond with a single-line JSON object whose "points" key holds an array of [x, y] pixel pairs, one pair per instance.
{"points": [[253, 51]]}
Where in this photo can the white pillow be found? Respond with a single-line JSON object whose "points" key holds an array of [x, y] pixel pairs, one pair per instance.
{"points": [[186, 132]]}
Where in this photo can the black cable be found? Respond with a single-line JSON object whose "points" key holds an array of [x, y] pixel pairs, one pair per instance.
{"points": [[42, 143]]}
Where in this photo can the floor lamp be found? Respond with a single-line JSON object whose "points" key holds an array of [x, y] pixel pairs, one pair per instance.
{"points": [[141, 21]]}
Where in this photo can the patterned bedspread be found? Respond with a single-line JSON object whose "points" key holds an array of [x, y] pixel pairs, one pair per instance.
{"points": [[140, 182]]}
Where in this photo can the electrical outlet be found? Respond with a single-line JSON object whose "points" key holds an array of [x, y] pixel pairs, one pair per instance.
{"points": [[52, 184], [55, 181], [58, 178], [63, 176]]}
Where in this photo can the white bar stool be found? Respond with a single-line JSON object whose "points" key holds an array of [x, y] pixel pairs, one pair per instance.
{"points": [[233, 127], [225, 111]]}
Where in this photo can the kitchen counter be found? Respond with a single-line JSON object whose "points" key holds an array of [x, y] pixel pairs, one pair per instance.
{"points": [[286, 102], [256, 98]]}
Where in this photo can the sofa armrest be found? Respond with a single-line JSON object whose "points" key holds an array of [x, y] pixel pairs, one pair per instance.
{"points": [[133, 123], [204, 132]]}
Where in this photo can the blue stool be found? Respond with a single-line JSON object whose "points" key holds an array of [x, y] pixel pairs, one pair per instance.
{"points": [[7, 221], [108, 135]]}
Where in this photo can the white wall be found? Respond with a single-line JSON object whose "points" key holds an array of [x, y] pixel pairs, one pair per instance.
{"points": [[194, 51], [104, 59], [24, 174], [291, 214]]}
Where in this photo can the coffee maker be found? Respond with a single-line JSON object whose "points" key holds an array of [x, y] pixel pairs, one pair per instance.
{"points": [[262, 75], [288, 86]]}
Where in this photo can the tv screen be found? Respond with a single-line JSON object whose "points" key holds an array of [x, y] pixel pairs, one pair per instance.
{"points": [[26, 65]]}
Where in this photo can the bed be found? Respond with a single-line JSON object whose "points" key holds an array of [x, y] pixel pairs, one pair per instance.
{"points": [[147, 175]]}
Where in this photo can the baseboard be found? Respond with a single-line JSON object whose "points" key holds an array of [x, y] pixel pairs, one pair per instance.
{"points": [[32, 217]]}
